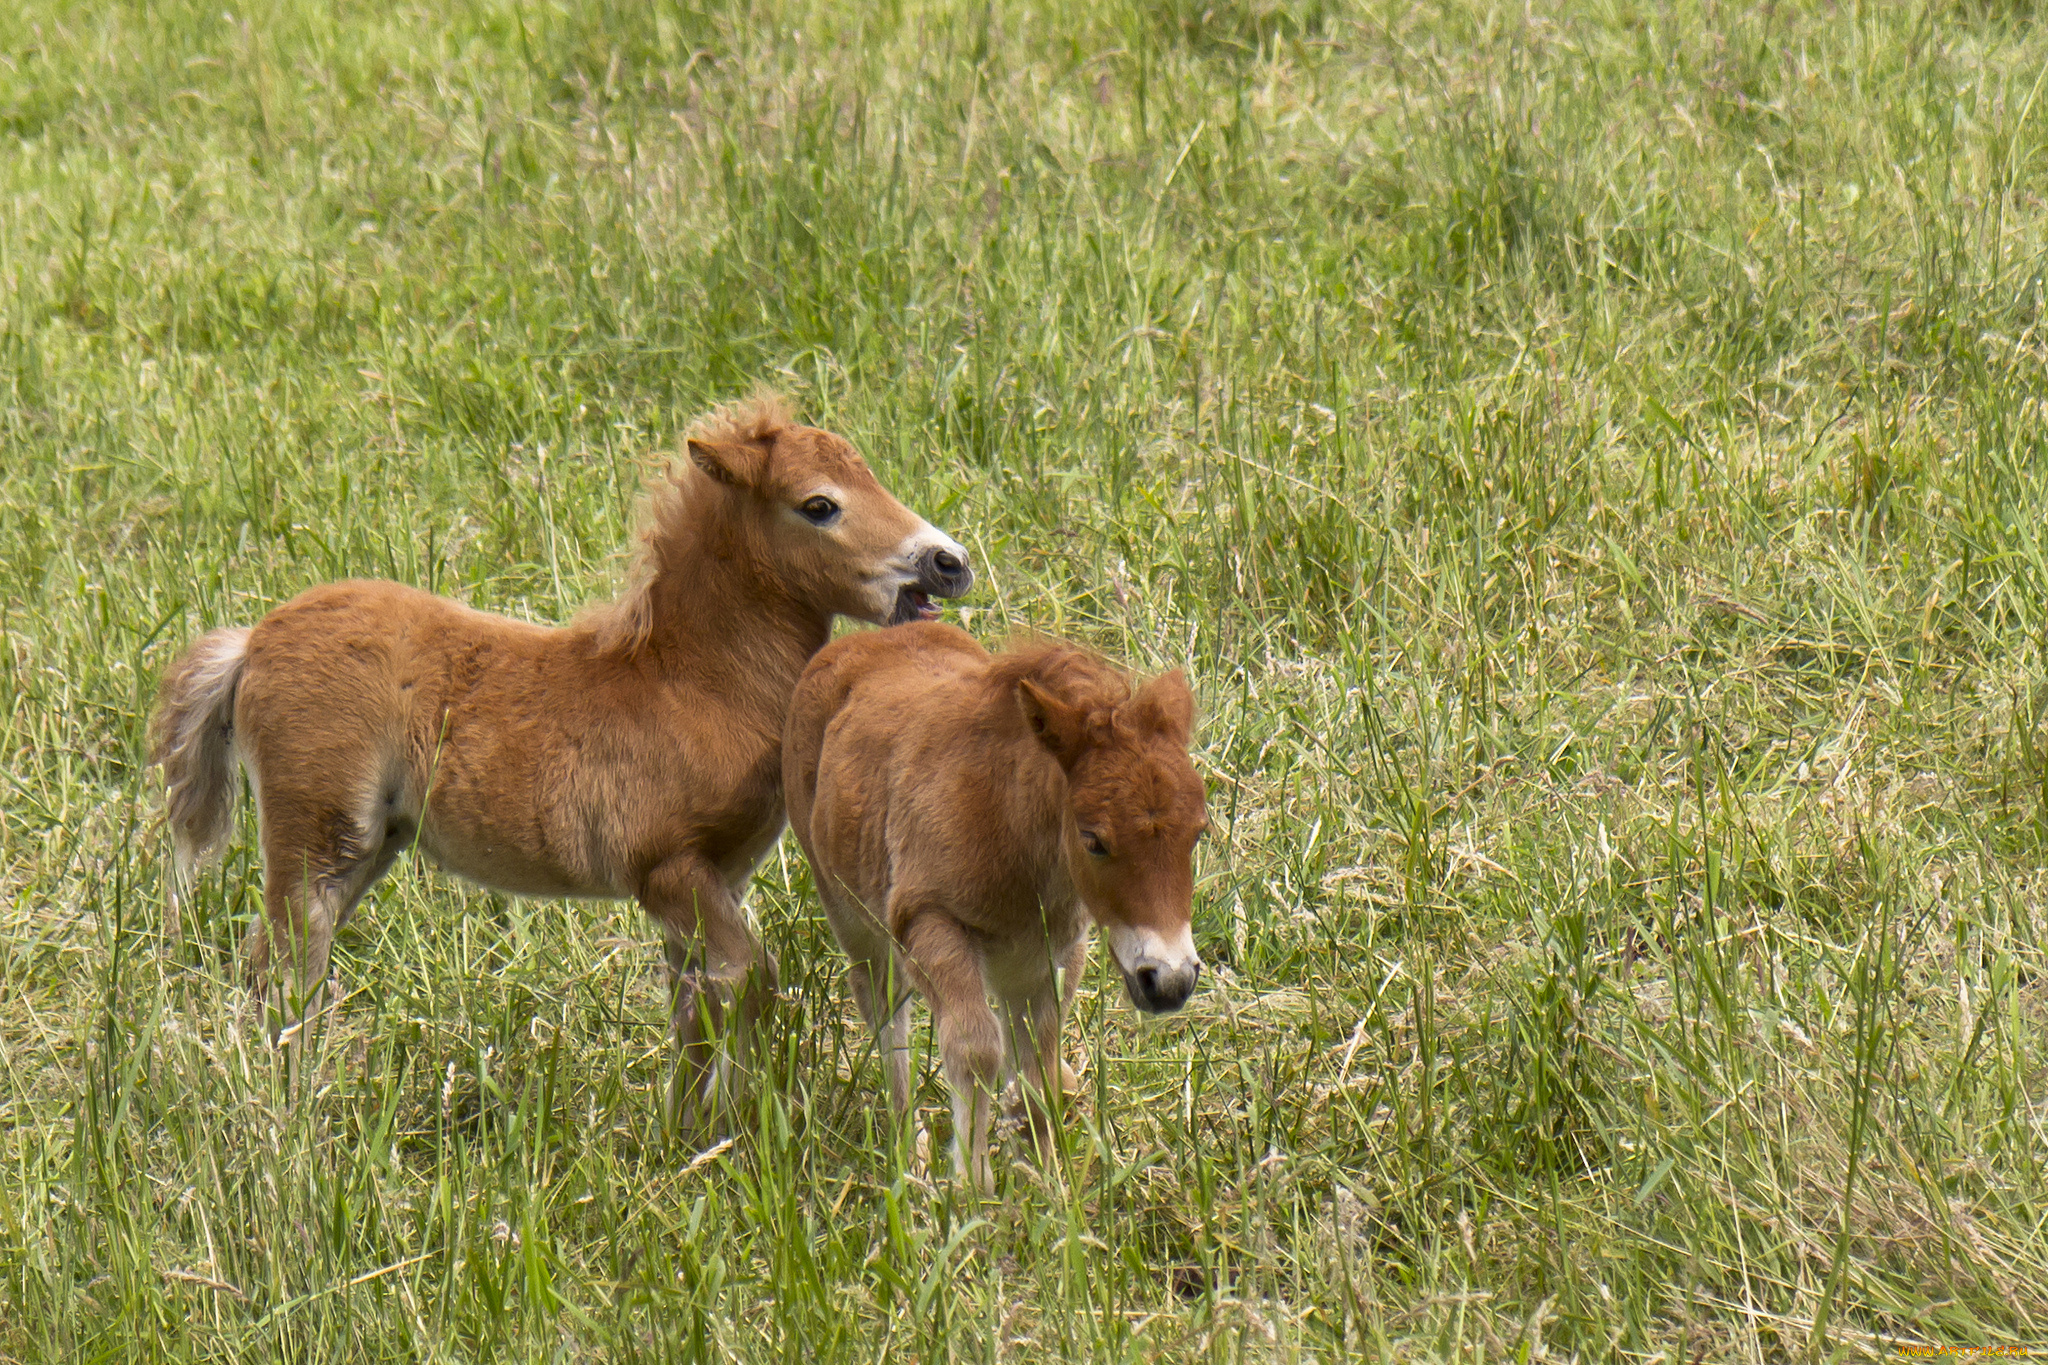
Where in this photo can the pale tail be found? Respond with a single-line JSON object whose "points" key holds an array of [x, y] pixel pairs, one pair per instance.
{"points": [[192, 738]]}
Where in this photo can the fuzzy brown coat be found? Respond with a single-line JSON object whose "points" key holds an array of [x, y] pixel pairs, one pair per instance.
{"points": [[635, 752], [967, 817]]}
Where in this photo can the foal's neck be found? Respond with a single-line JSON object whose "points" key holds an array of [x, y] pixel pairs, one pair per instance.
{"points": [[723, 620]]}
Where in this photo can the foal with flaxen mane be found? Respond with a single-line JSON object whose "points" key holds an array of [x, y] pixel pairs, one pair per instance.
{"points": [[966, 817], [635, 752]]}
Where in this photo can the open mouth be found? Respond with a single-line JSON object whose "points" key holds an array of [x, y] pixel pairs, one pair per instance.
{"points": [[913, 605]]}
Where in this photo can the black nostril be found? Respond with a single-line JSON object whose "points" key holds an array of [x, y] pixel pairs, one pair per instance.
{"points": [[1148, 981], [946, 561]]}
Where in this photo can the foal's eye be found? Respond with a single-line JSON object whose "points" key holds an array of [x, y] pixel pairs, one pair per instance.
{"points": [[1091, 841], [819, 510]]}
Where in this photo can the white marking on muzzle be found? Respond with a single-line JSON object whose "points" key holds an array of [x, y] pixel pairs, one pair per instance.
{"points": [[924, 539], [1136, 948], [908, 573]]}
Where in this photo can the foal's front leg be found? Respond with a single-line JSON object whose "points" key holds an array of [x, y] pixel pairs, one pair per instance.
{"points": [[947, 967], [714, 962], [1035, 1023]]}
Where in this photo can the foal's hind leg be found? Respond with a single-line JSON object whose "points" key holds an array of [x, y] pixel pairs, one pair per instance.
{"points": [[880, 983], [882, 990], [318, 861], [948, 967]]}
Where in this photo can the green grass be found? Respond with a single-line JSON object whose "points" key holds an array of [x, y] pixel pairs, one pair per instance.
{"points": [[1593, 463]]}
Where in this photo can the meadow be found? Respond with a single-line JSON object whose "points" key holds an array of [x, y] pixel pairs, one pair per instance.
{"points": [[1591, 460]]}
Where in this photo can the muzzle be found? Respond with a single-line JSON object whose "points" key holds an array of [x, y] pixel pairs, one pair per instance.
{"points": [[941, 570], [1162, 990], [1160, 974]]}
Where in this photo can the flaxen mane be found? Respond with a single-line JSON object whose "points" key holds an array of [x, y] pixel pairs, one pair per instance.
{"points": [[623, 625]]}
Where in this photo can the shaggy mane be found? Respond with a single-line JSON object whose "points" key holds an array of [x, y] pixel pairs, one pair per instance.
{"points": [[1077, 676], [624, 624]]}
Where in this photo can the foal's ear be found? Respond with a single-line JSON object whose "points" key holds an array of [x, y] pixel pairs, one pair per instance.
{"points": [[1164, 707], [736, 464], [1059, 725]]}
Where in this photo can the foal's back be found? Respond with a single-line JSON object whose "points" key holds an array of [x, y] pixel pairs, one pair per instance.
{"points": [[435, 721], [905, 762]]}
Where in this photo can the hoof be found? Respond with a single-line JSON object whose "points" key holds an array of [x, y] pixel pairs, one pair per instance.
{"points": [[322, 1002]]}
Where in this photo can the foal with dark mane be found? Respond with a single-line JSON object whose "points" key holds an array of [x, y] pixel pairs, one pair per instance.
{"points": [[635, 752], [966, 817]]}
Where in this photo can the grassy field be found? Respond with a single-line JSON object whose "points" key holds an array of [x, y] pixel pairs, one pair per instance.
{"points": [[1593, 464]]}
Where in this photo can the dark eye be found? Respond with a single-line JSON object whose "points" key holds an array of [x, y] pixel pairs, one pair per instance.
{"points": [[1093, 843], [819, 510]]}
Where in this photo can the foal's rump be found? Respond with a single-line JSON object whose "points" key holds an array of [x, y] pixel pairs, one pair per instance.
{"points": [[372, 714]]}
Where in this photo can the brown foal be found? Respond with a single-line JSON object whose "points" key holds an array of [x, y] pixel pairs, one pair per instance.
{"points": [[635, 752], [966, 817]]}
